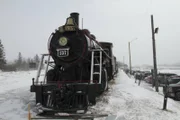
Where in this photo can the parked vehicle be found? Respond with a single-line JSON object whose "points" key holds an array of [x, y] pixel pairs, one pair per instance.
{"points": [[162, 76], [173, 91], [174, 80], [148, 79], [173, 88], [145, 74]]}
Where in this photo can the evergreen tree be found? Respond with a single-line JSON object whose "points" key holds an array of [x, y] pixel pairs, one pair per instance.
{"points": [[2, 56], [19, 60], [29, 60], [36, 59], [24, 65]]}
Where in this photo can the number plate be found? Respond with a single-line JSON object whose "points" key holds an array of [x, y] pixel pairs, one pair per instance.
{"points": [[63, 52]]}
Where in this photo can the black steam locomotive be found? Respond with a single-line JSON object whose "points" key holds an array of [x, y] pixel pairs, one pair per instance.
{"points": [[80, 69]]}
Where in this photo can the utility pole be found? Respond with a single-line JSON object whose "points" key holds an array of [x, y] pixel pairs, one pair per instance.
{"points": [[123, 63], [129, 47], [154, 53], [82, 23], [165, 95]]}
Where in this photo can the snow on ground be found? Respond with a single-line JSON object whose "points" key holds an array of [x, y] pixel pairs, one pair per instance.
{"points": [[15, 80], [125, 99], [129, 101], [15, 94]]}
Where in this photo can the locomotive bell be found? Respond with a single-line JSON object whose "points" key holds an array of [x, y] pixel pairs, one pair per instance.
{"points": [[69, 25], [70, 21]]}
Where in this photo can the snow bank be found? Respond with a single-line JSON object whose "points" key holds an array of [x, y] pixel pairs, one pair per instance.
{"points": [[15, 95], [128, 101], [15, 80]]}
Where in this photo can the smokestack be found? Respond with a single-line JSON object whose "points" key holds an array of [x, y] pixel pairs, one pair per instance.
{"points": [[76, 17]]}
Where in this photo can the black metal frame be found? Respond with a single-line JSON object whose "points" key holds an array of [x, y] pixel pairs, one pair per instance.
{"points": [[87, 95]]}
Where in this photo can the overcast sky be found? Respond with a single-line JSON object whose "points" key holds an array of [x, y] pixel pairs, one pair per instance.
{"points": [[25, 26]]}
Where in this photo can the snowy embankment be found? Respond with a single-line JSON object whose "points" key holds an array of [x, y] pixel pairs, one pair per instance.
{"points": [[128, 101], [15, 94], [125, 99]]}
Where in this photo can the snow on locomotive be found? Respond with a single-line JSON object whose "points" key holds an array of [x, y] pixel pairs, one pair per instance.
{"points": [[81, 69]]}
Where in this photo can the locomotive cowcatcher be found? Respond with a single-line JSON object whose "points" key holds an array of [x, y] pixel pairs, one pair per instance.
{"points": [[77, 70]]}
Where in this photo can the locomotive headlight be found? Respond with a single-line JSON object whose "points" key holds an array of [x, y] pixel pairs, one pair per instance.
{"points": [[63, 41]]}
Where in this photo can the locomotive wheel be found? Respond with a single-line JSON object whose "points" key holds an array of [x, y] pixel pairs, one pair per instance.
{"points": [[104, 81]]}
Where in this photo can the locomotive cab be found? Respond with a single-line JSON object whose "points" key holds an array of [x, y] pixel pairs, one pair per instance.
{"points": [[110, 66]]}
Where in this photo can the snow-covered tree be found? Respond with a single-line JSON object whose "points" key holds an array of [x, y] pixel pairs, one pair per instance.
{"points": [[2, 56]]}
